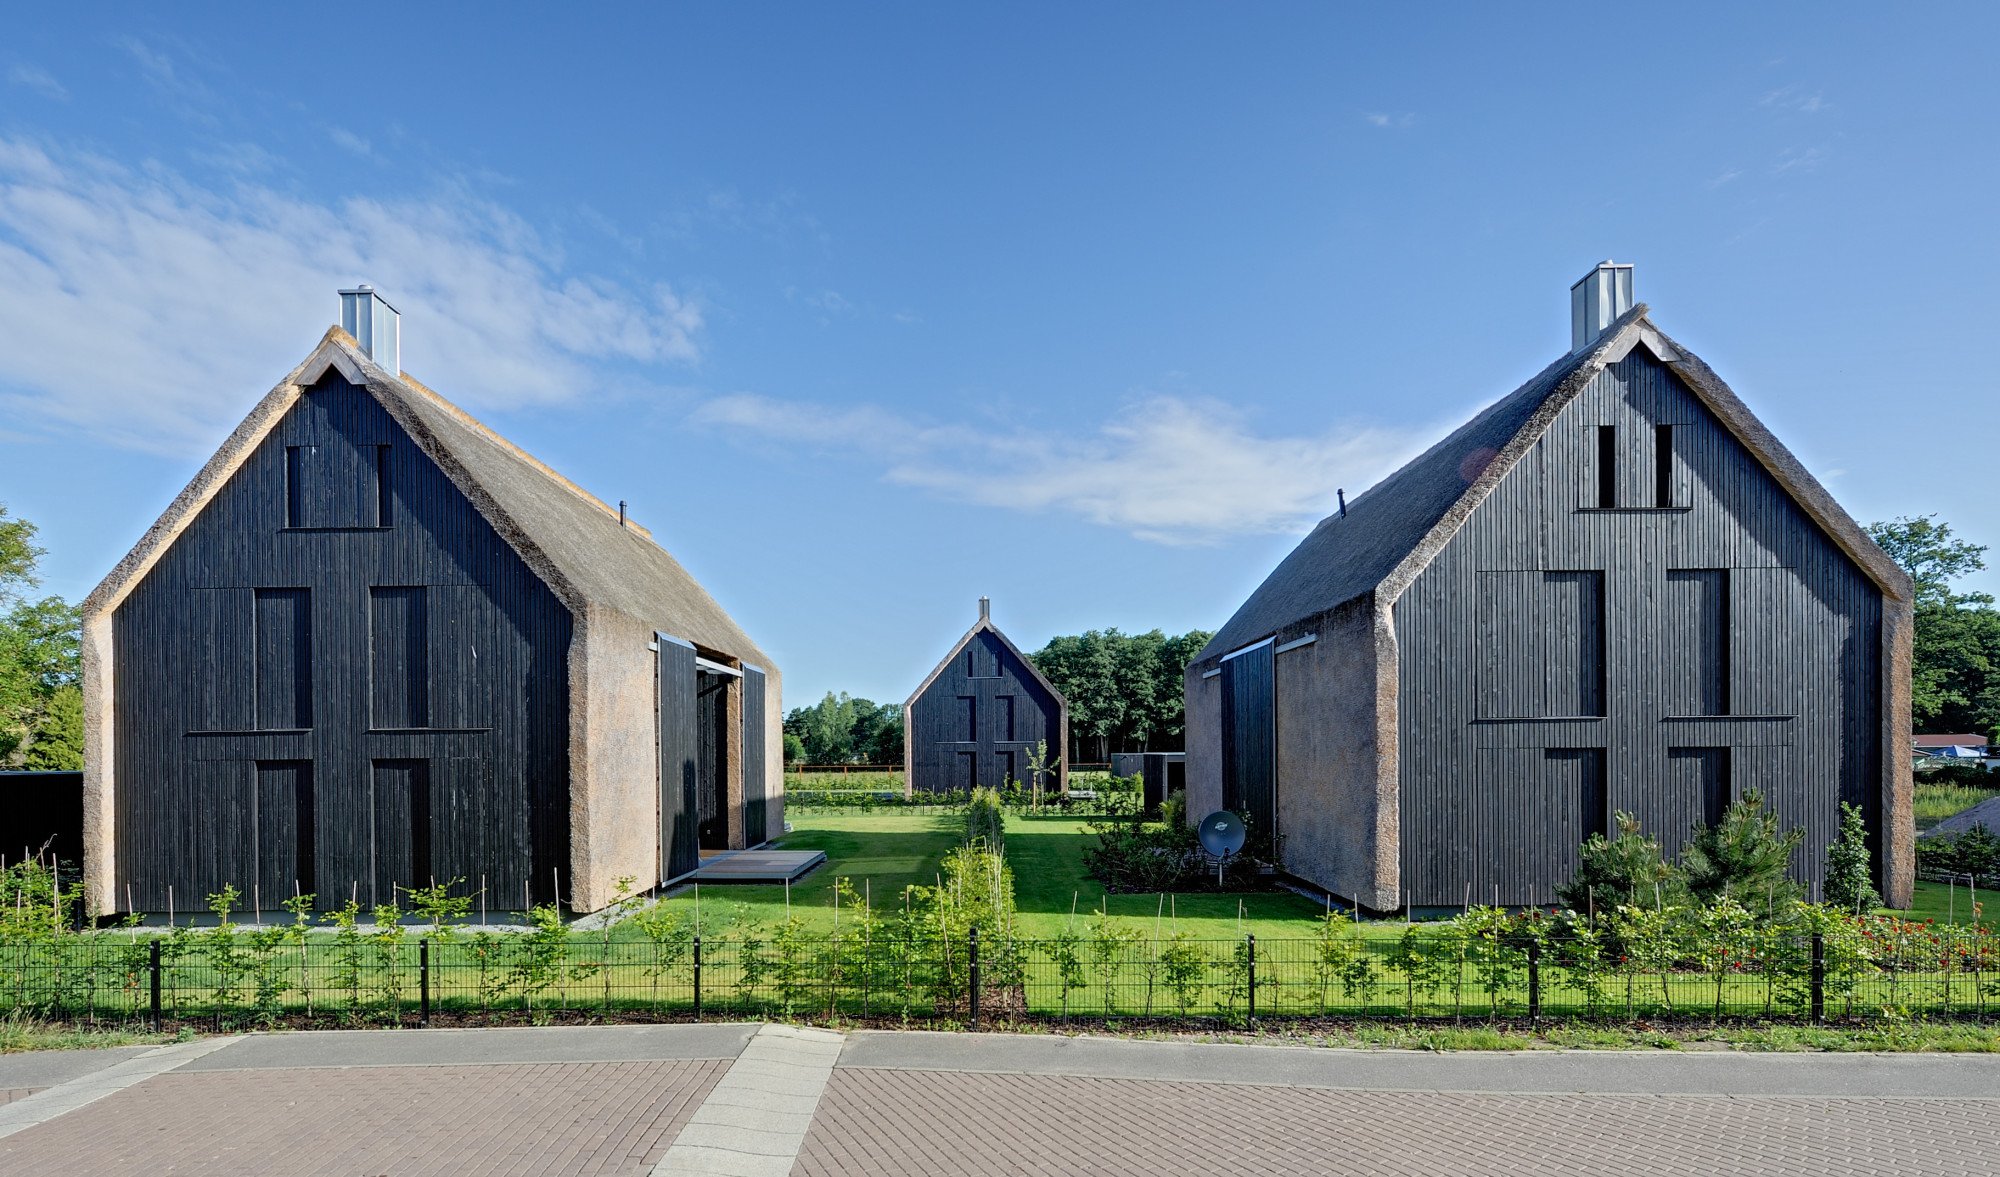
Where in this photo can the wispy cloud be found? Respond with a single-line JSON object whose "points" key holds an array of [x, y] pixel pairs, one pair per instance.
{"points": [[1172, 470], [146, 308], [1798, 159], [41, 81], [1794, 98], [1389, 121], [348, 141], [1724, 177]]}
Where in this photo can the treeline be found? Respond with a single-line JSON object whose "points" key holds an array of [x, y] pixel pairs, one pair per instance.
{"points": [[841, 729], [1124, 690], [1955, 664], [41, 701]]}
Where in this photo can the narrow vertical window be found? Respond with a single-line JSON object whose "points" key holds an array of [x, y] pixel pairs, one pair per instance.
{"points": [[1663, 465], [1607, 466], [382, 517], [295, 486]]}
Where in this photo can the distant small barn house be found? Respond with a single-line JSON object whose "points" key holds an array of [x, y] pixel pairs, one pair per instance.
{"points": [[977, 720], [1611, 590], [373, 644]]}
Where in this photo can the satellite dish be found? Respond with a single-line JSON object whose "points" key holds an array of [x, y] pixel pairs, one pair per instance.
{"points": [[1222, 833]]}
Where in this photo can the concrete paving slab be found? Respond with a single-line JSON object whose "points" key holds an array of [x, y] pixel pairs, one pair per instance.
{"points": [[523, 1044], [1510, 1072], [49, 1068], [787, 1063]]}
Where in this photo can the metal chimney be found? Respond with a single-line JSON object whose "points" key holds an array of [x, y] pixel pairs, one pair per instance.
{"points": [[375, 325], [985, 608], [1596, 301]]}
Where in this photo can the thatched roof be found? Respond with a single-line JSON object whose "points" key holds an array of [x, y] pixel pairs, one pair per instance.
{"points": [[1391, 531], [570, 539], [1986, 813]]}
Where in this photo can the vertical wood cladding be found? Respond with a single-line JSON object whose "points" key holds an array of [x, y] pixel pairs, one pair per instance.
{"points": [[1250, 739], [680, 752], [339, 674], [1734, 647], [978, 721], [756, 761]]}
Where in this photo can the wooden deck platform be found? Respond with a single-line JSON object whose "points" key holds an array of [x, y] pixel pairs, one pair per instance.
{"points": [[756, 866]]}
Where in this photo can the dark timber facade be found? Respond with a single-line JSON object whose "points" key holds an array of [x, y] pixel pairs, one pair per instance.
{"points": [[374, 645], [1612, 591], [979, 717]]}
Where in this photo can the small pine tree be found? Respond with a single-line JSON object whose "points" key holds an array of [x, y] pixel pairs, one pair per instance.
{"points": [[1629, 869], [1742, 857], [1849, 885]]}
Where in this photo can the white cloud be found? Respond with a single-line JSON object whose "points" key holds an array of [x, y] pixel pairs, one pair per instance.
{"points": [[1168, 469], [1724, 177], [1389, 121], [39, 80], [147, 309]]}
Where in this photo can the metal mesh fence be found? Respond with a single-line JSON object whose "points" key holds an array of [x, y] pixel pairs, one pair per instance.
{"points": [[278, 976]]}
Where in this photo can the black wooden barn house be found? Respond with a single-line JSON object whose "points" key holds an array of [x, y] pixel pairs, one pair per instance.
{"points": [[978, 719], [374, 644], [1612, 590]]}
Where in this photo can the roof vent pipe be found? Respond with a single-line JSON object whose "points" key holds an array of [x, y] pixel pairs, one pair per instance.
{"points": [[1342, 496], [985, 608], [375, 325], [1596, 301]]}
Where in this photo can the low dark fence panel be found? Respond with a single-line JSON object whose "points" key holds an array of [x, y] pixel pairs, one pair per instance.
{"points": [[247, 976]]}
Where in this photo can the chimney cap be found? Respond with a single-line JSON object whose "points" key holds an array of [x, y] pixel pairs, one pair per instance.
{"points": [[986, 608], [1596, 300], [374, 324]]}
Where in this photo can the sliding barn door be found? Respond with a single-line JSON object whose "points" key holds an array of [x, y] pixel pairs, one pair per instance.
{"points": [[1250, 740], [756, 765], [679, 743]]}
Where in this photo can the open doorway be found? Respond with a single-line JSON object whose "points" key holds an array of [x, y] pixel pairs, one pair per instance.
{"points": [[714, 762]]}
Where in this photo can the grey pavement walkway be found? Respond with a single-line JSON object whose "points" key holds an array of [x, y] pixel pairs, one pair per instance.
{"points": [[744, 1099]]}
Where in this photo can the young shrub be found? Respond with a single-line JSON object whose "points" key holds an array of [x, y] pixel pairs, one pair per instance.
{"points": [[1625, 871], [1111, 942], [985, 824], [1185, 966], [1849, 885], [1743, 857], [1339, 956]]}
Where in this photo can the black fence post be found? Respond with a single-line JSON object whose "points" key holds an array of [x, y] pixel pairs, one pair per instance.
{"points": [[153, 967], [1250, 960], [1534, 980], [697, 978], [972, 968], [1818, 977], [424, 983]]}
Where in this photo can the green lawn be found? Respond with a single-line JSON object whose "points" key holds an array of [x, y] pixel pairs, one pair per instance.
{"points": [[1935, 901], [885, 851]]}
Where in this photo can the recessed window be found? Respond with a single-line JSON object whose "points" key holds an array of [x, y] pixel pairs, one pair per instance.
{"points": [[1607, 466], [1663, 465]]}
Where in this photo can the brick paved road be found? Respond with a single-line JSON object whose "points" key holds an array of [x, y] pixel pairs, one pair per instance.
{"points": [[889, 1123], [543, 1118], [611, 1100]]}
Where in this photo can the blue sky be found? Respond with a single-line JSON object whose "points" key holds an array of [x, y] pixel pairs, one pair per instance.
{"points": [[869, 310]]}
